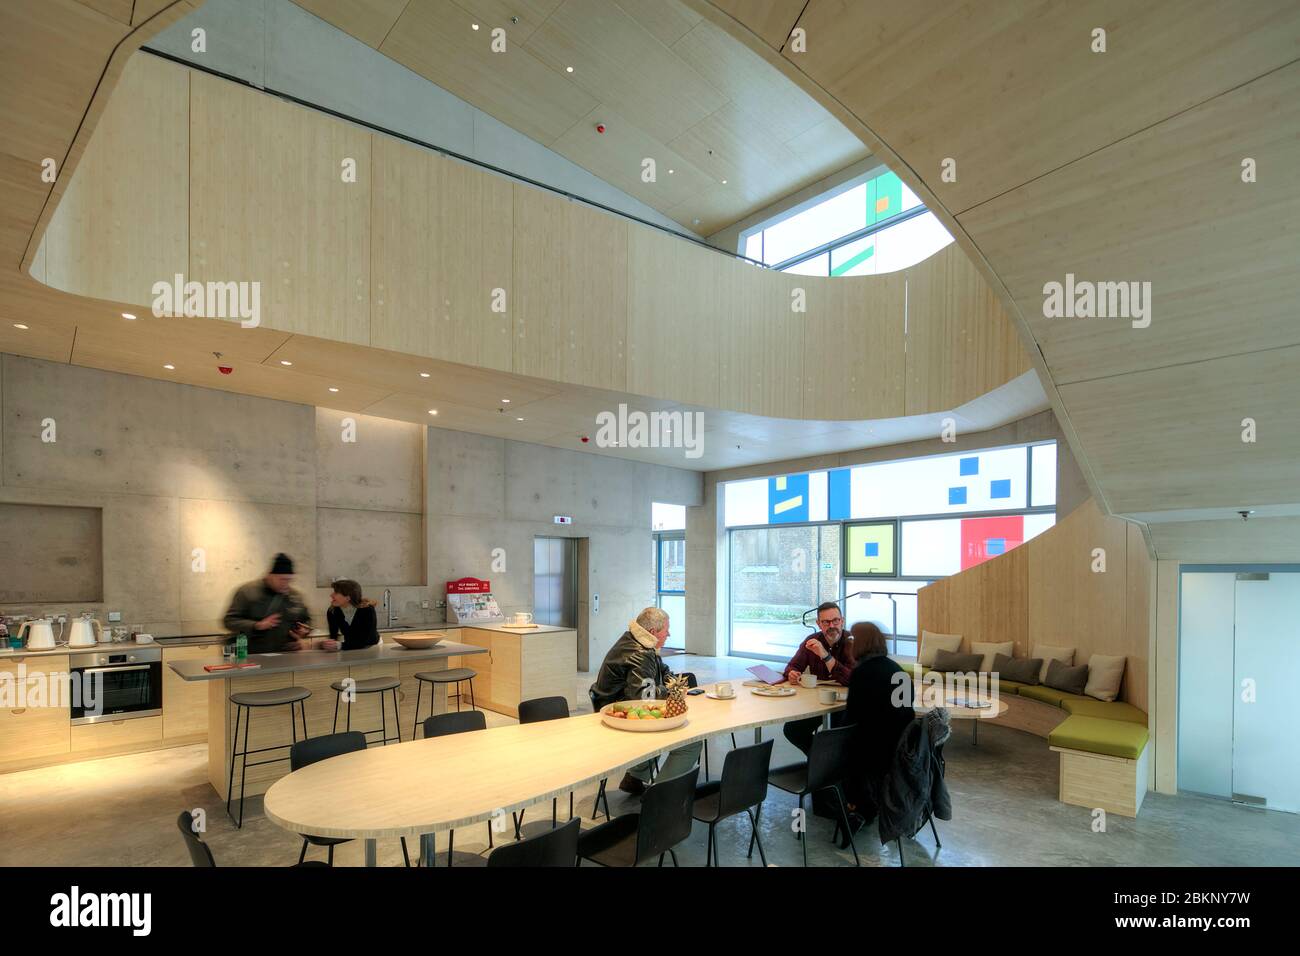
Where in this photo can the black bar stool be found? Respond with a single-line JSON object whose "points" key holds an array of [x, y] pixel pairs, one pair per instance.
{"points": [[453, 675], [246, 702], [370, 685]]}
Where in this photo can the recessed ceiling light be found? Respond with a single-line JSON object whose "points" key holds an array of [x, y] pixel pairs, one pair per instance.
{"points": [[170, 368], [568, 69], [724, 182], [333, 389], [424, 375], [505, 401], [433, 411], [519, 419], [473, 26], [127, 315], [285, 362], [671, 171], [19, 325]]}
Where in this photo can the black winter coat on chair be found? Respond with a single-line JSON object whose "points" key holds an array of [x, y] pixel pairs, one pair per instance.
{"points": [[913, 790]]}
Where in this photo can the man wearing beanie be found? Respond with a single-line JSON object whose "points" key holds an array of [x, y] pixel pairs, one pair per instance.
{"points": [[270, 611]]}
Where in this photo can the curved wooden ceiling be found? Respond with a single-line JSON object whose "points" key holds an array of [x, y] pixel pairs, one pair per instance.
{"points": [[665, 82], [1117, 166]]}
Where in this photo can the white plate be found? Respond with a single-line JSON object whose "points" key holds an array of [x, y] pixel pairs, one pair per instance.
{"points": [[712, 696], [774, 691]]}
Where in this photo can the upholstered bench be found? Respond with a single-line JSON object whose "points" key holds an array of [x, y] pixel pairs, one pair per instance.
{"points": [[1103, 763], [1103, 744]]}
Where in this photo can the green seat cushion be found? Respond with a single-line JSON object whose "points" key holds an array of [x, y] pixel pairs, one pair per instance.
{"points": [[1010, 686], [1113, 710], [1095, 735], [1049, 695]]}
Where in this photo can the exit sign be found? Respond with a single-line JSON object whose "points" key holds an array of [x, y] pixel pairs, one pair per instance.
{"points": [[563, 519]]}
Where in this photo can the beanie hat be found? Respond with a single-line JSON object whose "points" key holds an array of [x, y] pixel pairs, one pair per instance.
{"points": [[283, 564]]}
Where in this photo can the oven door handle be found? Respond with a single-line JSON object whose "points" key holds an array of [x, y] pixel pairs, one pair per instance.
{"points": [[104, 670]]}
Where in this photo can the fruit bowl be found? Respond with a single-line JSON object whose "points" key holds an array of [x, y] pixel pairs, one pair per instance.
{"points": [[417, 643], [639, 724]]}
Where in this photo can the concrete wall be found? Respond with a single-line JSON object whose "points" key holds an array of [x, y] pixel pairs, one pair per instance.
{"points": [[172, 468], [278, 45], [488, 493], [706, 538]]}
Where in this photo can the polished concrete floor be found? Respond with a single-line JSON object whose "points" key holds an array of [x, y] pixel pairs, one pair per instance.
{"points": [[122, 811]]}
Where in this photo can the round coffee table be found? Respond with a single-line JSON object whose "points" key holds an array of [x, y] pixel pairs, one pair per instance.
{"points": [[959, 710]]}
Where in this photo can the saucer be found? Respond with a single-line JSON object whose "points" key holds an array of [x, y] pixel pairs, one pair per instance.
{"points": [[712, 696]]}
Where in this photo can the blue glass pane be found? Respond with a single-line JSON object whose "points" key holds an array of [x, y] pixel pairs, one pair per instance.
{"points": [[970, 466], [957, 496], [1000, 488]]}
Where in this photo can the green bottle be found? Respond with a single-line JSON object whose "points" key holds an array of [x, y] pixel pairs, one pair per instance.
{"points": [[241, 647]]}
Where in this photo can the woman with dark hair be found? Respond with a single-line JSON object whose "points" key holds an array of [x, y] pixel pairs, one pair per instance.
{"points": [[352, 616], [881, 708]]}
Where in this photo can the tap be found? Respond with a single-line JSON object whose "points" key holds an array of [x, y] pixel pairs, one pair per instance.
{"points": [[388, 606]]}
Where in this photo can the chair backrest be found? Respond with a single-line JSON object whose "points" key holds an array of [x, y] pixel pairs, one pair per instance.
{"points": [[200, 852], [828, 757], [665, 818], [542, 708], [456, 722], [557, 847], [315, 749], [744, 778]]}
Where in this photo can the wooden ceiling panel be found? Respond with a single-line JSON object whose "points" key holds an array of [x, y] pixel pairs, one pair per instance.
{"points": [[434, 38], [770, 20], [666, 20], [1169, 207], [620, 64], [367, 20], [489, 14], [1012, 91]]}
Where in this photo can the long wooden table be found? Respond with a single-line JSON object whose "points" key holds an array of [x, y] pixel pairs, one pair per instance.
{"points": [[422, 786]]}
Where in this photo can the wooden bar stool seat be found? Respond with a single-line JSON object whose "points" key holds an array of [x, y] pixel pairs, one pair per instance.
{"points": [[245, 702]]}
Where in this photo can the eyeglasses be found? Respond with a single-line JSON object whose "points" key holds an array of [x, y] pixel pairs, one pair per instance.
{"points": [[831, 620]]}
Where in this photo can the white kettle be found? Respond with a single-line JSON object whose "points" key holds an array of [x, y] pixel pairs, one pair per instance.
{"points": [[40, 634], [85, 632]]}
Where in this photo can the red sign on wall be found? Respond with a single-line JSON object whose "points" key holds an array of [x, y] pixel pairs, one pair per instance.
{"points": [[984, 538], [469, 586]]}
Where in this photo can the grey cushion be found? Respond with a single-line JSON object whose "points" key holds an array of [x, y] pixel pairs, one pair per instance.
{"points": [[370, 685], [449, 676], [1022, 669], [270, 698], [1063, 677], [951, 661]]}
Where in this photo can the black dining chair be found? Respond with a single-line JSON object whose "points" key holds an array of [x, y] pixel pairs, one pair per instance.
{"points": [[200, 852], [532, 712], [743, 786], [313, 750], [601, 796], [456, 722], [554, 847], [633, 838], [824, 770]]}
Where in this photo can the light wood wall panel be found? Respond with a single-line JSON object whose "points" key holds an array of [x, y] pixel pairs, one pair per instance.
{"points": [[442, 237], [123, 221], [854, 335], [268, 203], [570, 301], [959, 335], [407, 257], [1045, 592]]}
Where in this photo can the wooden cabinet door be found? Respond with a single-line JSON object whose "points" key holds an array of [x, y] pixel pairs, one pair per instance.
{"points": [[185, 703], [32, 732]]}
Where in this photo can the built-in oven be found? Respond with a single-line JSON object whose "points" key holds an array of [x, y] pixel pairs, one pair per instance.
{"points": [[112, 685]]}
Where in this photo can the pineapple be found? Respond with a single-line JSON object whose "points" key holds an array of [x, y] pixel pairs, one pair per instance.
{"points": [[677, 687]]}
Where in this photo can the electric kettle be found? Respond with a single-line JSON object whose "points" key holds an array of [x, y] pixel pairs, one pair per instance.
{"points": [[85, 632], [40, 634]]}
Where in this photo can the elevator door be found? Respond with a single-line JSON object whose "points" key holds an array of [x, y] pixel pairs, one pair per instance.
{"points": [[555, 581]]}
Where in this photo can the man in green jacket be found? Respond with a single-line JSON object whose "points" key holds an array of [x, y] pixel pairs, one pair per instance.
{"points": [[270, 611], [633, 670]]}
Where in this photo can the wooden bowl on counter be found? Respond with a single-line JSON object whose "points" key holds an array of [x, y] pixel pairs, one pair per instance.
{"points": [[417, 642]]}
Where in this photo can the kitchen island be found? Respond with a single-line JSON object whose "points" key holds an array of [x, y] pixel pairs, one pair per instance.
{"points": [[526, 663], [316, 670]]}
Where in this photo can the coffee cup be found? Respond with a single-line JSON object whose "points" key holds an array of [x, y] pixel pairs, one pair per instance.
{"points": [[523, 619], [809, 679], [842, 695], [724, 689], [827, 695]]}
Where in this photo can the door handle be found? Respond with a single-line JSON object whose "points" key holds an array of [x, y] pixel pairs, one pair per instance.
{"points": [[18, 711]]}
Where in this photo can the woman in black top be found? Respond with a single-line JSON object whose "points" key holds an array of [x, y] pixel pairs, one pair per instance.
{"points": [[352, 616], [880, 707]]}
